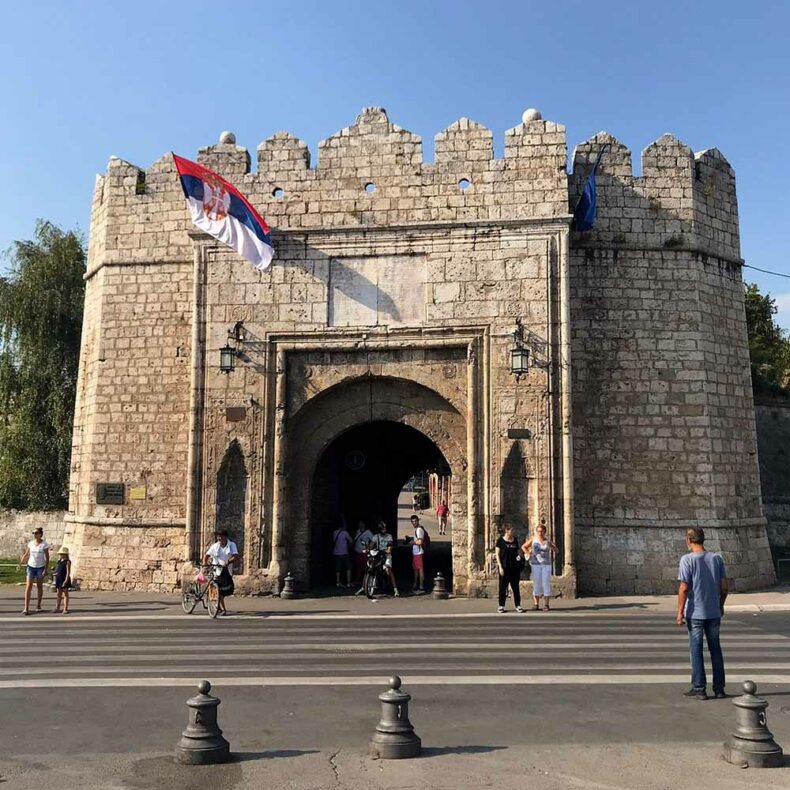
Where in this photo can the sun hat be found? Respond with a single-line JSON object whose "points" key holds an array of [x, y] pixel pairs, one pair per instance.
{"points": [[63, 550]]}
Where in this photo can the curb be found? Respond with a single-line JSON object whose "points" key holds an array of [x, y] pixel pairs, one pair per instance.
{"points": [[758, 607]]}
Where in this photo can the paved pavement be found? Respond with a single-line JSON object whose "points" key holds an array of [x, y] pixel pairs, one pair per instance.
{"points": [[584, 697], [572, 646]]}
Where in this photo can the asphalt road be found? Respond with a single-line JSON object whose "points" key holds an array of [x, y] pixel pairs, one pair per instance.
{"points": [[575, 698]]}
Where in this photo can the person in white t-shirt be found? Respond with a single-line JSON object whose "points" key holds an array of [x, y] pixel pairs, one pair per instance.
{"points": [[418, 555], [383, 541], [223, 553], [36, 559]]}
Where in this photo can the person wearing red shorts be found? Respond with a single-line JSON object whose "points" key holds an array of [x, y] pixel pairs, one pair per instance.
{"points": [[441, 513]]}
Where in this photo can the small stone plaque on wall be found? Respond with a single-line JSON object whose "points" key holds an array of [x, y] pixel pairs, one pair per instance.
{"points": [[137, 493], [519, 433], [110, 493], [235, 413]]}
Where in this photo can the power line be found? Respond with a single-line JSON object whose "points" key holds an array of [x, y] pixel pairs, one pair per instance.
{"points": [[765, 271]]}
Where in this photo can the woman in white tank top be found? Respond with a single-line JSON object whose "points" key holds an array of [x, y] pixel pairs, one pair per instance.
{"points": [[540, 551]]}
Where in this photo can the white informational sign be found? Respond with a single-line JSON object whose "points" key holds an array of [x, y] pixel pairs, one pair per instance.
{"points": [[386, 291]]}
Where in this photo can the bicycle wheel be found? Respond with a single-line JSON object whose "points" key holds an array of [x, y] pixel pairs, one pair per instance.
{"points": [[370, 584], [212, 599], [189, 597]]}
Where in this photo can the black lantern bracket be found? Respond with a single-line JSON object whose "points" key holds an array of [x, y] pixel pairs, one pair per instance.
{"points": [[519, 354], [529, 351], [229, 353]]}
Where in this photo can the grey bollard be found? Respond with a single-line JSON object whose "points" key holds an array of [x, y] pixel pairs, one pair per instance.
{"points": [[752, 745], [394, 738], [288, 591], [440, 587], [202, 742]]}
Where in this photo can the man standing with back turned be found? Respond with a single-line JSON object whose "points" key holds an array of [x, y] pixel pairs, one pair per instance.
{"points": [[701, 594]]}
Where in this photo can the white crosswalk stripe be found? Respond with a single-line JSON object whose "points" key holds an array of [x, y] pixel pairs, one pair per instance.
{"points": [[583, 648]]}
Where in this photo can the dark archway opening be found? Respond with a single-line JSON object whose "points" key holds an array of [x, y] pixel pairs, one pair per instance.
{"points": [[359, 477]]}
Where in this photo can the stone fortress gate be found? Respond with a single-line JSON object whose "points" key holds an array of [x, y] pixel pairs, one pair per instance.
{"points": [[379, 342]]}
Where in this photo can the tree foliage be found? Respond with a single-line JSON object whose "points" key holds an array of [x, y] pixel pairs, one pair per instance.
{"points": [[769, 345], [41, 304]]}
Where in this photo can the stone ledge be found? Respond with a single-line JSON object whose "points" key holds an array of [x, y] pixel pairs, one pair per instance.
{"points": [[105, 521]]}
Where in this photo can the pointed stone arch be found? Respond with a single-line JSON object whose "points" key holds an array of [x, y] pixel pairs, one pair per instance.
{"points": [[517, 482], [231, 509]]}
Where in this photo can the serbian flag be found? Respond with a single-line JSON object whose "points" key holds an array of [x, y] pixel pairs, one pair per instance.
{"points": [[219, 209]]}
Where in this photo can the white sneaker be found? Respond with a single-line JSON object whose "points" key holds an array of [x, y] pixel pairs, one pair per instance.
{"points": [[519, 610], [501, 610]]}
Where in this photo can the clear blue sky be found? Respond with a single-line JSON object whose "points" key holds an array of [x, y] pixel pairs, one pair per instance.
{"points": [[85, 80]]}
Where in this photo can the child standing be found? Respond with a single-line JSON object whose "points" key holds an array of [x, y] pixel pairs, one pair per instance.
{"points": [[63, 580]]}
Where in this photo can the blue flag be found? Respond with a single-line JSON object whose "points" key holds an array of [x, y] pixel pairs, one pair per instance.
{"points": [[584, 214]]}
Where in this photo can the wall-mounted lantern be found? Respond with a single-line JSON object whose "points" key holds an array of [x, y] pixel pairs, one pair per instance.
{"points": [[228, 353], [227, 359], [519, 354], [519, 360]]}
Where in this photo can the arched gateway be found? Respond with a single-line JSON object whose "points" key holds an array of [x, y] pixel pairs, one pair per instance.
{"points": [[350, 451]]}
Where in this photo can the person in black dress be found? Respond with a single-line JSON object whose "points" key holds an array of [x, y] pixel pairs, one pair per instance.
{"points": [[63, 580], [510, 561]]}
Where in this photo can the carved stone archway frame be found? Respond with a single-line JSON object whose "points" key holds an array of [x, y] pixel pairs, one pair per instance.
{"points": [[448, 405]]}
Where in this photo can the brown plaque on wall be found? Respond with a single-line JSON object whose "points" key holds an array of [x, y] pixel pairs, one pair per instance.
{"points": [[519, 433], [235, 413], [110, 493]]}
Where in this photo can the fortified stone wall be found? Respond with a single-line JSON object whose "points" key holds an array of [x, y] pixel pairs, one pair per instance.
{"points": [[773, 438], [663, 413], [661, 437], [16, 530]]}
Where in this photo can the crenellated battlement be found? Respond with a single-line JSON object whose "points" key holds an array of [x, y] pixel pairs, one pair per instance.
{"points": [[682, 199], [373, 174]]}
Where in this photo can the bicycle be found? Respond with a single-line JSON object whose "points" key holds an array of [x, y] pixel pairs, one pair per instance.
{"points": [[376, 578], [205, 592]]}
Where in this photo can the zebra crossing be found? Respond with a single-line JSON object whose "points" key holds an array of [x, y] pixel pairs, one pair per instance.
{"points": [[563, 647]]}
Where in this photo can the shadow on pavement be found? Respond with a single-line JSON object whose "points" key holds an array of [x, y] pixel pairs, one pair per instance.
{"points": [[245, 757], [437, 751], [164, 772], [602, 606], [288, 614]]}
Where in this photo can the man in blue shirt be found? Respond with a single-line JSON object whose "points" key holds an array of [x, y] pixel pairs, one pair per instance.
{"points": [[701, 594]]}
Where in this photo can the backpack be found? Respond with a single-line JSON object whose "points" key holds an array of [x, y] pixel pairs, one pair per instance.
{"points": [[426, 539]]}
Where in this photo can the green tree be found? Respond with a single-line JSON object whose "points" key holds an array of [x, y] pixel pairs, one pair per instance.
{"points": [[41, 303], [769, 346]]}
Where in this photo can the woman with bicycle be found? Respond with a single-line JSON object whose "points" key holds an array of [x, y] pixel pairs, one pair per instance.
{"points": [[222, 554]]}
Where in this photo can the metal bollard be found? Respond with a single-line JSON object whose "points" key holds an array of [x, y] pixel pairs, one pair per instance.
{"points": [[288, 591], [440, 587], [394, 738], [752, 745], [202, 742]]}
